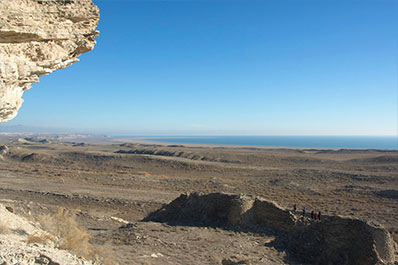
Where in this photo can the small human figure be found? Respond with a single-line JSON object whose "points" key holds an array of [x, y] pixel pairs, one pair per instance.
{"points": [[315, 216], [312, 214], [303, 211], [294, 208], [319, 215]]}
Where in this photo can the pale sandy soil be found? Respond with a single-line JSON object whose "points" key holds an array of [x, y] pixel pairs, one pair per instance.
{"points": [[24, 242]]}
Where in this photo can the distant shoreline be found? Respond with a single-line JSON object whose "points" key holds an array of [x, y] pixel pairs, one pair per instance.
{"points": [[165, 141], [380, 143]]}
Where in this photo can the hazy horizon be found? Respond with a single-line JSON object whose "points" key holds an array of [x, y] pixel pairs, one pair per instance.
{"points": [[5, 128]]}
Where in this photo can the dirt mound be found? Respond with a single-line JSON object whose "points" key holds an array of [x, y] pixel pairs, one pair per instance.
{"points": [[221, 210], [334, 240]]}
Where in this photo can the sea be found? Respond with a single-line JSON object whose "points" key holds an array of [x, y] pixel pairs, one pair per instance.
{"points": [[341, 142]]}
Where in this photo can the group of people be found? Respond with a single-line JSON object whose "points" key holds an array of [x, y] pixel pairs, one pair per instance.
{"points": [[314, 215]]}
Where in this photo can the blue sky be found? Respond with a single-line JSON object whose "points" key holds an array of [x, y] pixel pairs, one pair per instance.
{"points": [[229, 67]]}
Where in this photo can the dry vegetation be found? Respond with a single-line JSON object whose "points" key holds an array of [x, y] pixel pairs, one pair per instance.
{"points": [[67, 234], [64, 232], [41, 238]]}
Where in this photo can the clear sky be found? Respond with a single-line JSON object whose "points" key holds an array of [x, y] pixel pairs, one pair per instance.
{"points": [[268, 67]]}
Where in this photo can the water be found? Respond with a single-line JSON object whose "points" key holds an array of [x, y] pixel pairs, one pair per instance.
{"points": [[362, 142]]}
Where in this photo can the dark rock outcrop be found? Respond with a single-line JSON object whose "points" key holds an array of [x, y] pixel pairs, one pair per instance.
{"points": [[173, 153], [3, 149], [338, 240], [333, 240], [390, 194]]}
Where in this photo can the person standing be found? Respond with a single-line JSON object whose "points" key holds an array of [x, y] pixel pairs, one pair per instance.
{"points": [[312, 214], [319, 215]]}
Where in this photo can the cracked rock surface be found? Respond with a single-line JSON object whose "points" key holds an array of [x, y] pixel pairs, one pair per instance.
{"points": [[37, 38]]}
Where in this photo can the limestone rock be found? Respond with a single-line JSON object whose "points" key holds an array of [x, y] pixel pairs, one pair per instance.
{"points": [[37, 38], [15, 232]]}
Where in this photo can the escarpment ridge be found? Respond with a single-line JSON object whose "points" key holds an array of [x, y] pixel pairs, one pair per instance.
{"points": [[37, 38], [331, 240]]}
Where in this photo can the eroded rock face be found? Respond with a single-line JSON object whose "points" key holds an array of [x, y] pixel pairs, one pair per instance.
{"points": [[37, 38], [220, 209], [333, 240], [338, 240]]}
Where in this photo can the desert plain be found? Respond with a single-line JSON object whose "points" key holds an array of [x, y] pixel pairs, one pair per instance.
{"points": [[111, 185]]}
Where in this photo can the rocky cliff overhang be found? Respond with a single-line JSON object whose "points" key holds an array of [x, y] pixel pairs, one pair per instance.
{"points": [[37, 38]]}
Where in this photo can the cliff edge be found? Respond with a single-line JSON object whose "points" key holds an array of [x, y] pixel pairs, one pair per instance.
{"points": [[37, 38]]}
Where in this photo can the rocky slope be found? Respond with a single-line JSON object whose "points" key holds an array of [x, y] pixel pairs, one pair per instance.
{"points": [[37, 38], [331, 240], [24, 242]]}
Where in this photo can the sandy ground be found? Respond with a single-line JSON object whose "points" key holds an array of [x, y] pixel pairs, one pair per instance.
{"points": [[110, 184]]}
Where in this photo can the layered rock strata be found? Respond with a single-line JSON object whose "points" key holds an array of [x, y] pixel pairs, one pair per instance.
{"points": [[332, 240], [37, 38]]}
